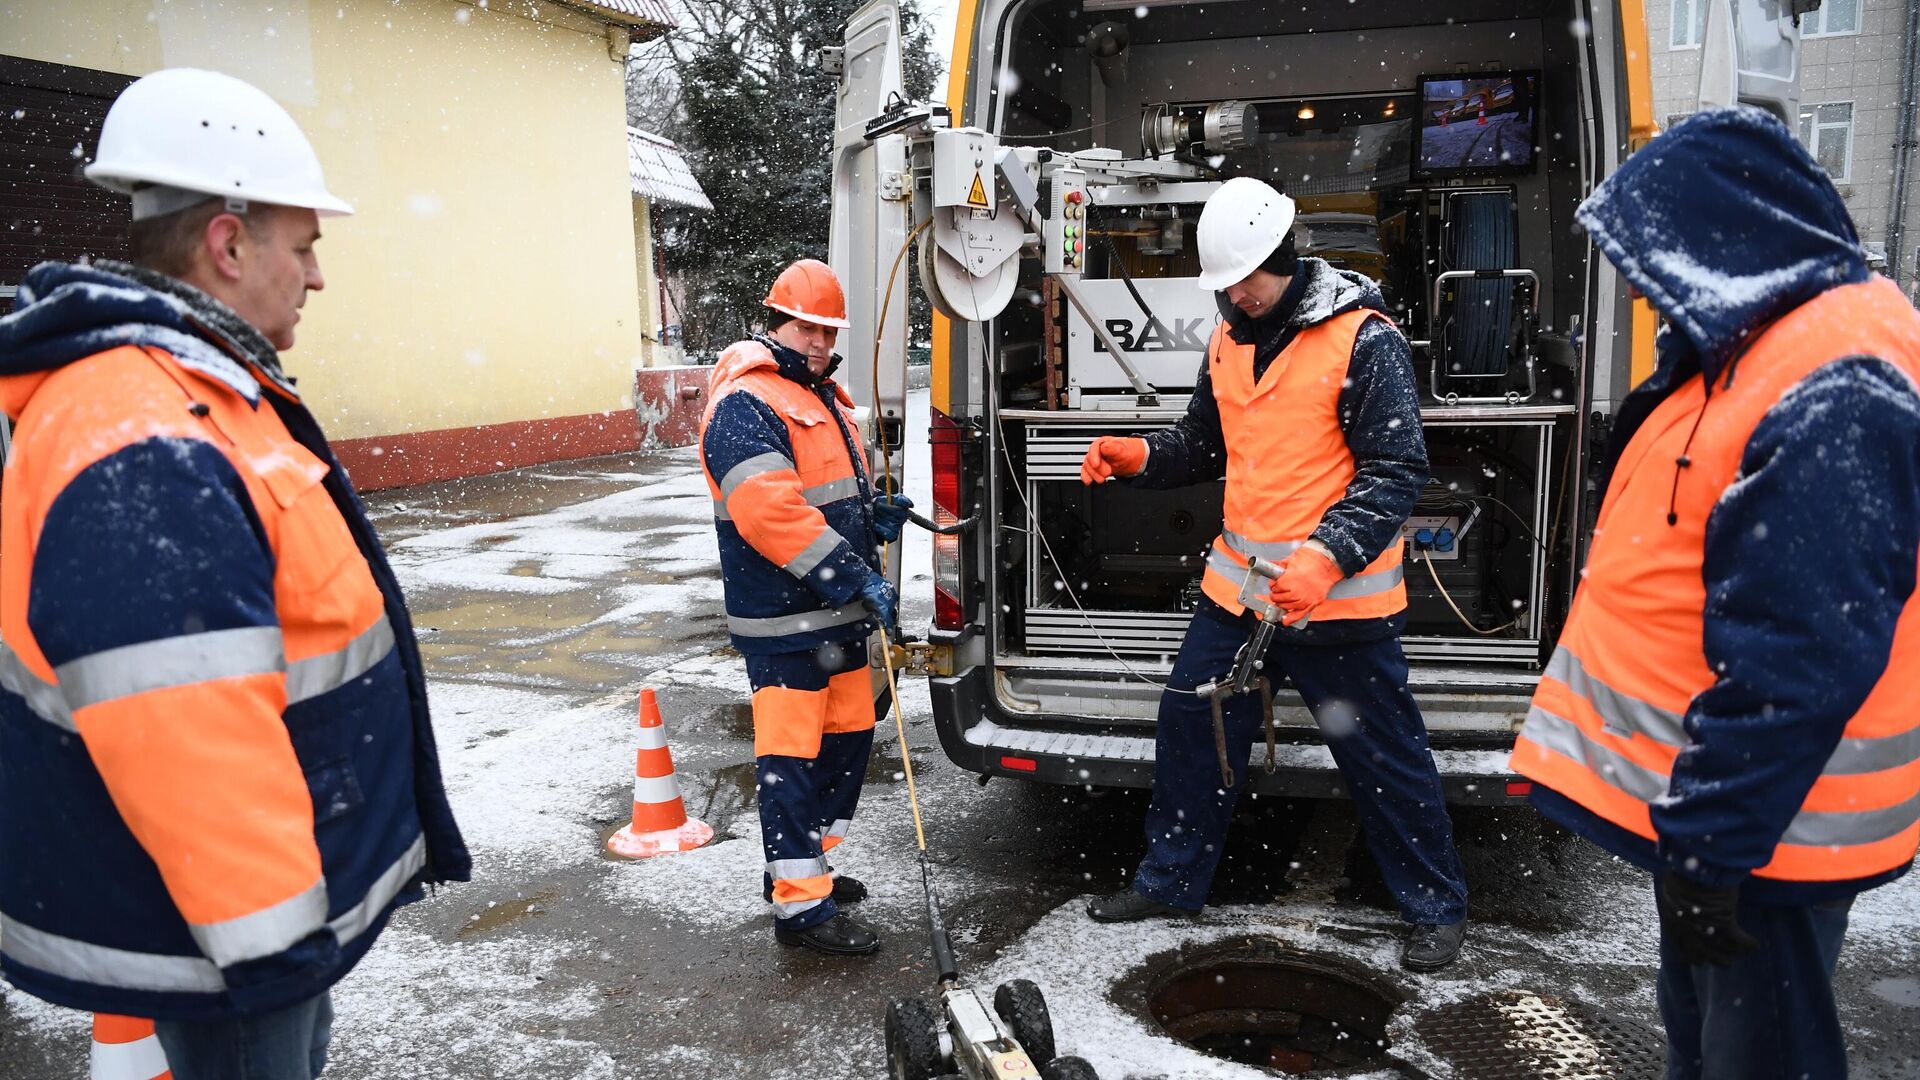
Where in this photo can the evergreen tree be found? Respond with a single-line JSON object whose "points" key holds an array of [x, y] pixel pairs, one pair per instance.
{"points": [[738, 86]]}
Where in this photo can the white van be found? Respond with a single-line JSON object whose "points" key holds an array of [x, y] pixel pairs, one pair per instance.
{"points": [[1049, 210]]}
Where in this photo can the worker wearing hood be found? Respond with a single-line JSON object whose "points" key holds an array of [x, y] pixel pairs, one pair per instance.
{"points": [[1731, 703]]}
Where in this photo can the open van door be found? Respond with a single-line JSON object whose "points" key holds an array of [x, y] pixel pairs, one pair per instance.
{"points": [[871, 194], [1751, 55]]}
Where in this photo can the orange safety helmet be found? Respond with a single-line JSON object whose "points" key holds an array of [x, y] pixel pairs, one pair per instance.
{"points": [[809, 291]]}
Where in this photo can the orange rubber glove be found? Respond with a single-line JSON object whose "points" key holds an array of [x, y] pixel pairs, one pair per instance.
{"points": [[1307, 576], [1111, 456]]}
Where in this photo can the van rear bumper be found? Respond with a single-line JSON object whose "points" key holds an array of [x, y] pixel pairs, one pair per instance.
{"points": [[979, 735]]}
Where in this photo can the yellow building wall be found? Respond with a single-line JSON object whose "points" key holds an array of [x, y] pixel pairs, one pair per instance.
{"points": [[489, 272]]}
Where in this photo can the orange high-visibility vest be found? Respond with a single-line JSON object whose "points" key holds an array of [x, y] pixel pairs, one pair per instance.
{"points": [[782, 516], [304, 722], [1606, 722], [1288, 462]]}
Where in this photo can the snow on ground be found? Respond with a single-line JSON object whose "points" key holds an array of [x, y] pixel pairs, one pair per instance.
{"points": [[576, 546], [416, 1008], [524, 796], [719, 670]]}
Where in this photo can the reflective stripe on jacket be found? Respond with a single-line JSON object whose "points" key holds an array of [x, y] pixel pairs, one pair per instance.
{"points": [[1612, 713], [217, 776], [791, 502], [1288, 462]]}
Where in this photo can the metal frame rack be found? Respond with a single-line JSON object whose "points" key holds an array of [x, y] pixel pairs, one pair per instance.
{"points": [[1524, 648], [1055, 444]]}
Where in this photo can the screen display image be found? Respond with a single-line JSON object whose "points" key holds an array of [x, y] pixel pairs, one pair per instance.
{"points": [[1476, 123]]}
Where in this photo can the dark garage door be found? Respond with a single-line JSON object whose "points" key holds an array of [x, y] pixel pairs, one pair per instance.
{"points": [[47, 209]]}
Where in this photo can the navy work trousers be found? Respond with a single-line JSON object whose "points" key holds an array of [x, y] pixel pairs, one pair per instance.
{"points": [[813, 715], [287, 1045], [1358, 695], [1770, 1014]]}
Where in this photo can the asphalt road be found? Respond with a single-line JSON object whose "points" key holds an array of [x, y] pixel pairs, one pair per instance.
{"points": [[547, 597]]}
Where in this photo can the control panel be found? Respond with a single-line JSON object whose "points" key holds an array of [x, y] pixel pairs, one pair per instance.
{"points": [[1066, 246]]}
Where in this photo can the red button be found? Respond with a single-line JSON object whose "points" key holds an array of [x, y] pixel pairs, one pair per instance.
{"points": [[1073, 196]]}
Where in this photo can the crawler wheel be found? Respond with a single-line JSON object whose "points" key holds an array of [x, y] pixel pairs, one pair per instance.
{"points": [[1024, 1009], [913, 1040], [1068, 1068]]}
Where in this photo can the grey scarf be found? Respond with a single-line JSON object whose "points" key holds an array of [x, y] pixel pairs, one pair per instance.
{"points": [[219, 323]]}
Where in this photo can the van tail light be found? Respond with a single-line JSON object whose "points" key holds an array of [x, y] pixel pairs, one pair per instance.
{"points": [[947, 485]]}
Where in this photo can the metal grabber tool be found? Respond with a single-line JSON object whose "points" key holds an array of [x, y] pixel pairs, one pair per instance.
{"points": [[1245, 676]]}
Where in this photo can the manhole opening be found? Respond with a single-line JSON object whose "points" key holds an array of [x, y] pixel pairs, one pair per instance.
{"points": [[1257, 1002]]}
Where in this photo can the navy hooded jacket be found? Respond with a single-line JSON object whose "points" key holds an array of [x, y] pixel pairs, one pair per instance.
{"points": [[1726, 224]]}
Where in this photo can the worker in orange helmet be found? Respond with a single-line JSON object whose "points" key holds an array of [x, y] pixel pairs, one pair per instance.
{"points": [[799, 527]]}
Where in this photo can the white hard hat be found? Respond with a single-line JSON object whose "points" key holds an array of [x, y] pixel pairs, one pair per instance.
{"points": [[1240, 226], [183, 132]]}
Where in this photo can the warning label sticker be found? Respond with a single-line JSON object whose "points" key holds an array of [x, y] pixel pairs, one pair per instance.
{"points": [[978, 196]]}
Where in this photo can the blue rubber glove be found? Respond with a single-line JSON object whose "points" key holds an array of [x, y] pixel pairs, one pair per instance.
{"points": [[890, 516], [883, 600]]}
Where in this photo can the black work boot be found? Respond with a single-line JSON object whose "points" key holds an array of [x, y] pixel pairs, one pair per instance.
{"points": [[1130, 906], [839, 935], [1432, 947], [848, 890]]}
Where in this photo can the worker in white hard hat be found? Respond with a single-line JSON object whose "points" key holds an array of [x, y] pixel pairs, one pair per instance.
{"points": [[1306, 404], [217, 772]]}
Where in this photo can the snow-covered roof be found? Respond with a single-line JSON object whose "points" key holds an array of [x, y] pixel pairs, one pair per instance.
{"points": [[637, 13], [659, 172]]}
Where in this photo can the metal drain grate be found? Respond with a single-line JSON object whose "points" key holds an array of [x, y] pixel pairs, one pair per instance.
{"points": [[1514, 1035]]}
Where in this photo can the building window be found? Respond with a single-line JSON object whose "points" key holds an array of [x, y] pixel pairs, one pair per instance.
{"points": [[1689, 23], [1827, 131], [1834, 17]]}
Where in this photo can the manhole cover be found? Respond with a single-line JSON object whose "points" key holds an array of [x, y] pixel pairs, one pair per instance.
{"points": [[1514, 1035], [1257, 1002]]}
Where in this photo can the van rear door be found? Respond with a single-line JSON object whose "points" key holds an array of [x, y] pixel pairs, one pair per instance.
{"points": [[1751, 55], [870, 214]]}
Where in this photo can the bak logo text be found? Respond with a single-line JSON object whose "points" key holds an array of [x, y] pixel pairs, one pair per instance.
{"points": [[1154, 336]]}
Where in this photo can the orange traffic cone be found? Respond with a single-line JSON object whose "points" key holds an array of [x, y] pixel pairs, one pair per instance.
{"points": [[1483, 116], [660, 822], [125, 1048]]}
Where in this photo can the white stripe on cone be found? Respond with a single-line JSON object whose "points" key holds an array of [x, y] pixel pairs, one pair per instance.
{"points": [[142, 1059], [655, 789]]}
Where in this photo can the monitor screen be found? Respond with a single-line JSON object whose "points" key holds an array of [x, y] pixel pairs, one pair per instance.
{"points": [[1477, 124]]}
